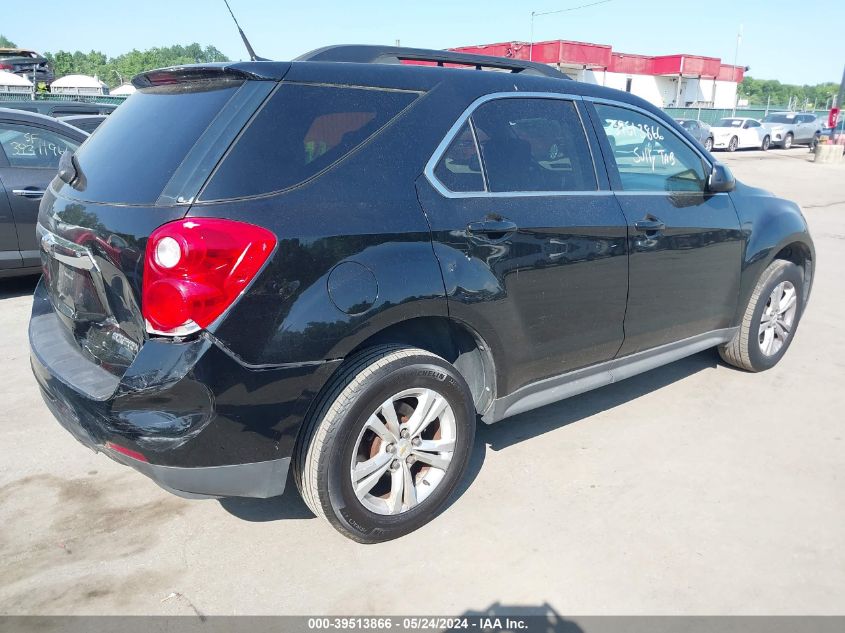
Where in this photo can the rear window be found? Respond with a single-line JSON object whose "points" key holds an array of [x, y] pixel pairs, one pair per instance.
{"points": [[301, 131], [138, 147]]}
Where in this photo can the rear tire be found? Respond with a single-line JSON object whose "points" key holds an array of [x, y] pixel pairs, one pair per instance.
{"points": [[361, 463], [766, 143], [760, 341], [787, 142], [708, 143], [813, 142], [733, 144]]}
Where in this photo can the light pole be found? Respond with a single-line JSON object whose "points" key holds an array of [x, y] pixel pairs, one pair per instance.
{"points": [[531, 41], [736, 57]]}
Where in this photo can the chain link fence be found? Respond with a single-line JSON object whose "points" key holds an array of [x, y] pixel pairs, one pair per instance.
{"points": [[109, 99], [711, 115]]}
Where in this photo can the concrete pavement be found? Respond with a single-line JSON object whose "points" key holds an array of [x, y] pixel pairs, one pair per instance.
{"points": [[692, 489]]}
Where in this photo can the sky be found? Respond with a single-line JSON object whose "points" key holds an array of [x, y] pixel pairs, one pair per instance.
{"points": [[782, 39]]}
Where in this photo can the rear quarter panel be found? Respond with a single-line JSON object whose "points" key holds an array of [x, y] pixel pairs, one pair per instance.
{"points": [[354, 254]]}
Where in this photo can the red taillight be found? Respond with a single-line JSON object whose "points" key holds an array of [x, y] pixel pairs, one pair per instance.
{"points": [[7, 67], [126, 451], [195, 268]]}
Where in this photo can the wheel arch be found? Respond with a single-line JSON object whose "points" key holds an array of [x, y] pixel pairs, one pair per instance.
{"points": [[454, 340], [802, 255], [796, 248]]}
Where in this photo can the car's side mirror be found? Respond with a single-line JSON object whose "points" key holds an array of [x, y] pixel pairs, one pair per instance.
{"points": [[721, 179]]}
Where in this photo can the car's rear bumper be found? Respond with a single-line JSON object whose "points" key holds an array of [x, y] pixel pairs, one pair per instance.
{"points": [[256, 479], [188, 415]]}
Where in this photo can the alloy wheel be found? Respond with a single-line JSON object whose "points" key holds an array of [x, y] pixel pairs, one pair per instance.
{"points": [[778, 318], [403, 451]]}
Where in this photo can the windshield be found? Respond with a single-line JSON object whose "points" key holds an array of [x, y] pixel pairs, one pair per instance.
{"points": [[779, 118], [730, 123]]}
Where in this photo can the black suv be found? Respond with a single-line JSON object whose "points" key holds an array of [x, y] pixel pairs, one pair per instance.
{"points": [[340, 263]]}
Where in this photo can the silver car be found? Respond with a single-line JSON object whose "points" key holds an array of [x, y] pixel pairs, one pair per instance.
{"points": [[699, 131], [788, 128]]}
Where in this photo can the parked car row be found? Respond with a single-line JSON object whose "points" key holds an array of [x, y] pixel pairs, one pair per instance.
{"points": [[33, 137], [778, 129], [31, 145]]}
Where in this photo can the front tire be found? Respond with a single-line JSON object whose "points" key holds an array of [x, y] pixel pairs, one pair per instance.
{"points": [[708, 143], [766, 143], [770, 319], [733, 144], [387, 443]]}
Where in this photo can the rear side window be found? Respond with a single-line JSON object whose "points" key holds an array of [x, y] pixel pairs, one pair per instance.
{"points": [[27, 146], [301, 131], [460, 168], [138, 148], [533, 145]]}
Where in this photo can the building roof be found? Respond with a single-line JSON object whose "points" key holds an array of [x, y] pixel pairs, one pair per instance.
{"points": [[569, 54], [77, 81], [11, 79], [123, 89]]}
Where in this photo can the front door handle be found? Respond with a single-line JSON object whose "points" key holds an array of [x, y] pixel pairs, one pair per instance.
{"points": [[494, 229], [29, 193], [649, 226]]}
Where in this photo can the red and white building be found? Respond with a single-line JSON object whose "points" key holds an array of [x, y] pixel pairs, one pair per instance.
{"points": [[664, 80]]}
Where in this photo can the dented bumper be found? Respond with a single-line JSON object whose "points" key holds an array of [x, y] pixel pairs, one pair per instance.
{"points": [[188, 414]]}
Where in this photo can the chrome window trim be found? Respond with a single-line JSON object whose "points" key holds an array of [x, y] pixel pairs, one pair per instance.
{"points": [[629, 106], [660, 192], [477, 151], [428, 172]]}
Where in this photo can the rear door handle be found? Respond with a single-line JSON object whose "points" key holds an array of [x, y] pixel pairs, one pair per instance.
{"points": [[29, 193], [649, 226], [492, 228]]}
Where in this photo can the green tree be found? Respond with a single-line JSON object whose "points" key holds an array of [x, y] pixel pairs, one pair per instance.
{"points": [[762, 91], [116, 70], [5, 42]]}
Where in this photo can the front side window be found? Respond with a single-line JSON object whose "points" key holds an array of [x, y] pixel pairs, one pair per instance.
{"points": [[649, 155], [533, 145], [27, 146]]}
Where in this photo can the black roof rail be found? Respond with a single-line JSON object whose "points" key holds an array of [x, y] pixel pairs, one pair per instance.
{"points": [[367, 54]]}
